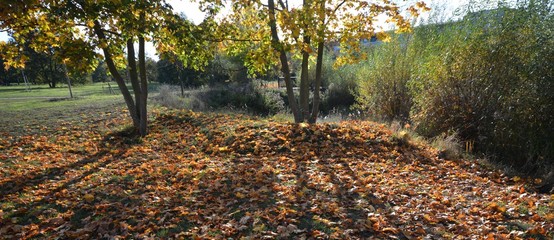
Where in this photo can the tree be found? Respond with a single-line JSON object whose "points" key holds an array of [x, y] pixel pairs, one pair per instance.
{"points": [[100, 74], [151, 70], [78, 28], [282, 30]]}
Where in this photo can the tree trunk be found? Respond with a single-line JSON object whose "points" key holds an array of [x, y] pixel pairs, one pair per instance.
{"points": [[133, 75], [143, 129], [284, 62], [317, 84], [182, 85], [319, 64], [68, 81], [305, 82], [52, 77], [304, 74], [26, 81], [140, 101], [117, 77]]}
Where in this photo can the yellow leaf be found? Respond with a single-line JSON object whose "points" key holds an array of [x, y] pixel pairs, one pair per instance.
{"points": [[90, 23], [240, 195], [89, 198]]}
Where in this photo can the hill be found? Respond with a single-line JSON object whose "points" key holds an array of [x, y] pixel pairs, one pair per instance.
{"points": [[221, 176]]}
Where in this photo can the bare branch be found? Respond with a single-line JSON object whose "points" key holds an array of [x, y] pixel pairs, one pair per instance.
{"points": [[335, 10]]}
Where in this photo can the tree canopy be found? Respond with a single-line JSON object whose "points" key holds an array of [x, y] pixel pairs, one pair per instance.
{"points": [[280, 29], [83, 31]]}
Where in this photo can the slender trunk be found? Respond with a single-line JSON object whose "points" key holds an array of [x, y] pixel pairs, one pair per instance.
{"points": [[182, 85], [319, 63], [110, 88], [284, 61], [317, 84], [304, 75], [133, 75], [305, 82], [53, 68], [117, 77], [68, 81], [144, 89], [26, 81]]}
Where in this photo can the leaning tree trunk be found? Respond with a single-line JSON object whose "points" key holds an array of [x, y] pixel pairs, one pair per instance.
{"points": [[284, 62], [117, 77], [68, 81]]}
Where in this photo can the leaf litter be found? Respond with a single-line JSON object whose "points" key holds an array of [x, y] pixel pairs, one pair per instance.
{"points": [[216, 176]]}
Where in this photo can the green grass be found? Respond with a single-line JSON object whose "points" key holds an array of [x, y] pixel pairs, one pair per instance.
{"points": [[24, 111], [17, 98]]}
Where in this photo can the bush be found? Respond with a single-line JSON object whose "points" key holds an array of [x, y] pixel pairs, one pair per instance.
{"points": [[167, 97], [479, 81], [247, 97], [382, 81], [488, 77], [339, 85]]}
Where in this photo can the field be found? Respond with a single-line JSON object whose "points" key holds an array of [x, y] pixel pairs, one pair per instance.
{"points": [[72, 169]]}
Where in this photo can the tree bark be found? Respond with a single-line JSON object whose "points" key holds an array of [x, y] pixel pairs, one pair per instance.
{"points": [[117, 77], [133, 75], [318, 71], [305, 82], [144, 89], [68, 81], [284, 62]]}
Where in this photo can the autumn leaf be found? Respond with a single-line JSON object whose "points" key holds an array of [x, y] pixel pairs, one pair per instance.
{"points": [[341, 186]]}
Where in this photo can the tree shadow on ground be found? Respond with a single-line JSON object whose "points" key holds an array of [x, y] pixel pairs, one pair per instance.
{"points": [[171, 185]]}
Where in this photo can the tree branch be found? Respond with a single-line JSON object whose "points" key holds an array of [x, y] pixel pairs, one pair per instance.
{"points": [[335, 10], [232, 39]]}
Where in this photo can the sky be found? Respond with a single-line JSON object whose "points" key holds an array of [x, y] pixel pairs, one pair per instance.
{"points": [[443, 9]]}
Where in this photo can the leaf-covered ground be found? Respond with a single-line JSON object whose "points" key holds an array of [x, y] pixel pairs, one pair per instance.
{"points": [[229, 176]]}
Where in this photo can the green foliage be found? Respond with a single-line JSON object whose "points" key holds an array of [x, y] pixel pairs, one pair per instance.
{"points": [[9, 76], [382, 80], [246, 97], [100, 74], [174, 72], [224, 68], [492, 85], [488, 77], [338, 83]]}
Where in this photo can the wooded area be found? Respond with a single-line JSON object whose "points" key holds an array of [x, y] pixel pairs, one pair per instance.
{"points": [[464, 146]]}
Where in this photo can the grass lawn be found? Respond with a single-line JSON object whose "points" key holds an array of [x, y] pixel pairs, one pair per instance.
{"points": [[22, 111], [80, 173], [17, 98]]}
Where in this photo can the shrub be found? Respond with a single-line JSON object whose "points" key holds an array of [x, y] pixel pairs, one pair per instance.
{"points": [[246, 97], [167, 97], [448, 145], [382, 81], [488, 79], [339, 85]]}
